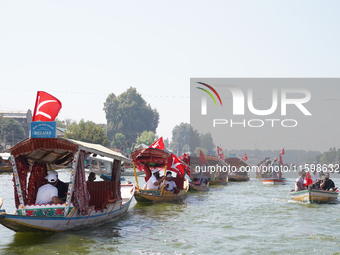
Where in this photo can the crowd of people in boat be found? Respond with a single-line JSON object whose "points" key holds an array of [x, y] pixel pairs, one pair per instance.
{"points": [[318, 183], [156, 181]]}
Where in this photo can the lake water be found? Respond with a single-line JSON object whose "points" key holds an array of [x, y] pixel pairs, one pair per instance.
{"points": [[238, 218]]}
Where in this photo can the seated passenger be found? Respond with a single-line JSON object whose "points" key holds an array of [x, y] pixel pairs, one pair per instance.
{"points": [[154, 180], [91, 177], [315, 179], [170, 185], [61, 186], [299, 181], [48, 193], [328, 184]]}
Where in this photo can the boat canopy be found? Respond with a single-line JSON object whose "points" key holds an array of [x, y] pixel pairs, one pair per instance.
{"points": [[59, 151], [150, 158]]}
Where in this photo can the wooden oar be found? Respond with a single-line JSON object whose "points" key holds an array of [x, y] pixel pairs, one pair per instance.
{"points": [[134, 169]]}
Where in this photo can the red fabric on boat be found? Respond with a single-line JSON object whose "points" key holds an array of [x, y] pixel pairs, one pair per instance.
{"points": [[33, 144], [100, 192], [22, 167], [81, 198], [36, 180]]}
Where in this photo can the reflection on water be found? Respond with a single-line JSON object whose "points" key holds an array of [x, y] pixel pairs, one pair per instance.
{"points": [[238, 218]]}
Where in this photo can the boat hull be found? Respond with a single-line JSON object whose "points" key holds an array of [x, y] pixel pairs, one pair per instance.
{"points": [[314, 196], [203, 187], [73, 221], [168, 196], [4, 169], [273, 181], [232, 178]]}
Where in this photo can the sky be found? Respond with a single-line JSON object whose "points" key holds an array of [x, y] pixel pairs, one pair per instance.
{"points": [[81, 51]]}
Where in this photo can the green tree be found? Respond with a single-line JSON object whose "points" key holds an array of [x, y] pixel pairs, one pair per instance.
{"points": [[166, 143], [11, 131], [147, 138], [129, 114], [207, 142], [87, 132], [62, 123], [182, 135], [197, 151], [119, 140]]}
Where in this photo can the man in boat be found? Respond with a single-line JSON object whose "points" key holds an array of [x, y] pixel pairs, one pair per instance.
{"points": [[327, 184], [0, 202], [170, 185], [48, 193], [299, 181], [155, 180], [61, 186], [315, 179], [92, 177]]}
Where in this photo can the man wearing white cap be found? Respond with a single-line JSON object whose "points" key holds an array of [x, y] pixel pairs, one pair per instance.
{"points": [[154, 180], [170, 185], [61, 186], [48, 193]]}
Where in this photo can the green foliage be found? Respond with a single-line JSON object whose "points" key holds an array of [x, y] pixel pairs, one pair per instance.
{"points": [[11, 131], [87, 132], [119, 140], [207, 142], [62, 123], [147, 138], [197, 151], [166, 143], [129, 114], [328, 157], [182, 135]]}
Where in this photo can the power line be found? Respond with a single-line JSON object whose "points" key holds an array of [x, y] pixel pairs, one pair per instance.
{"points": [[91, 93]]}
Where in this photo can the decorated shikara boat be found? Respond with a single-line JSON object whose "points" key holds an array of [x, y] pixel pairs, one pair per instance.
{"points": [[87, 203], [314, 196], [238, 172], [149, 159], [274, 181]]}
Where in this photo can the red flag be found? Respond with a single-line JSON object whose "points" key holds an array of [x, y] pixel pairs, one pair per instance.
{"points": [[202, 159], [245, 158], [186, 159], [281, 161], [46, 107], [282, 152], [220, 153], [308, 179], [159, 144], [175, 165]]}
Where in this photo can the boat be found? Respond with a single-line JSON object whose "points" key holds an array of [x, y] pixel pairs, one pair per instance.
{"points": [[88, 204], [237, 177], [314, 196], [198, 187], [238, 170], [274, 181], [5, 162], [149, 159], [271, 173], [212, 170]]}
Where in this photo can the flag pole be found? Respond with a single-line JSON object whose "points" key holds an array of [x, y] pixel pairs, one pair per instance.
{"points": [[162, 191]]}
